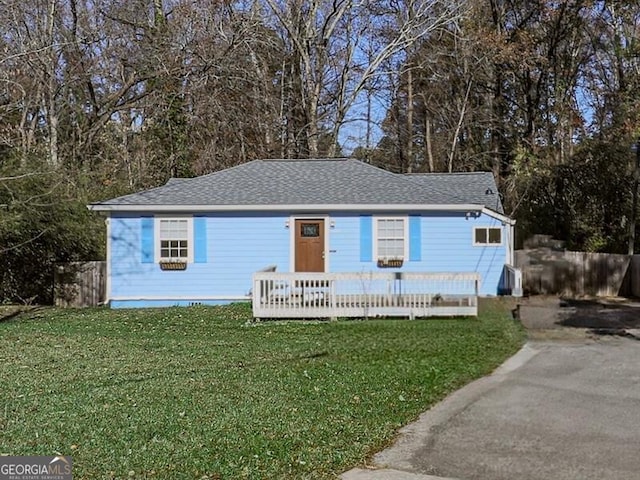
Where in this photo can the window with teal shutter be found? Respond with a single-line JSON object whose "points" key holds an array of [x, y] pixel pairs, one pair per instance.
{"points": [[146, 239], [366, 238]]}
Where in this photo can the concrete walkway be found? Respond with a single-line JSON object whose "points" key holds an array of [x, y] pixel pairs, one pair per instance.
{"points": [[556, 410]]}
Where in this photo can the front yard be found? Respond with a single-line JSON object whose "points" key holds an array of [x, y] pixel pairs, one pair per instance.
{"points": [[197, 393]]}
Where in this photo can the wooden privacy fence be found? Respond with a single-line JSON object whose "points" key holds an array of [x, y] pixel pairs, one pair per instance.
{"points": [[80, 284], [633, 275], [395, 294], [546, 271]]}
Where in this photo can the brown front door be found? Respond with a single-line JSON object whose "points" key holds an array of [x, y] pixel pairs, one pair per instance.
{"points": [[309, 245]]}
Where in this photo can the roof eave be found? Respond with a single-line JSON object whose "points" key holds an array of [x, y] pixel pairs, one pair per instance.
{"points": [[498, 216], [102, 207]]}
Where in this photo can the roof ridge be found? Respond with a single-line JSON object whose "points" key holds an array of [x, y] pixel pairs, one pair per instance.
{"points": [[227, 169], [375, 167], [476, 172], [319, 159]]}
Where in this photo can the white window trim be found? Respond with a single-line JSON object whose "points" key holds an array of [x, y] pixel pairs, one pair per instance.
{"points": [[156, 236], [487, 244], [375, 235]]}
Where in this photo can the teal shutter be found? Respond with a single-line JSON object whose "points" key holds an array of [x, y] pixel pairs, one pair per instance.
{"points": [[366, 238], [415, 238], [200, 240], [146, 240]]}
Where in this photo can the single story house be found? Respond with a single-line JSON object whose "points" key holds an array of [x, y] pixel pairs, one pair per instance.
{"points": [[200, 240]]}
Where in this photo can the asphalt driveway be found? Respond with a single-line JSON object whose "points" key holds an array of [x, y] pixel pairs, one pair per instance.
{"points": [[557, 410]]}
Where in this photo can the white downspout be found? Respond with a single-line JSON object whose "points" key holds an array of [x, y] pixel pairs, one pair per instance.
{"points": [[107, 295], [511, 249]]}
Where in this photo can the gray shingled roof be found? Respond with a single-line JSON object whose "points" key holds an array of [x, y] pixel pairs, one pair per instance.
{"points": [[470, 187], [314, 182]]}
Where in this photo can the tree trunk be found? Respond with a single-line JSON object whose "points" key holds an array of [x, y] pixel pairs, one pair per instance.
{"points": [[409, 120], [456, 134], [52, 110], [428, 148]]}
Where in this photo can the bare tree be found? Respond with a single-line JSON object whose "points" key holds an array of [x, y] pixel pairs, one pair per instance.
{"points": [[337, 48]]}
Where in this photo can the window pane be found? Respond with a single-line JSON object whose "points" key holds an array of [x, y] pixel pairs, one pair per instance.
{"points": [[495, 235], [391, 248], [481, 235], [383, 248], [396, 248], [173, 229], [309, 229]]}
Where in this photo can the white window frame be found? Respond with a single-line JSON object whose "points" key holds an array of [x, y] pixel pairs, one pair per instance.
{"points": [[190, 245], [376, 237], [487, 243]]}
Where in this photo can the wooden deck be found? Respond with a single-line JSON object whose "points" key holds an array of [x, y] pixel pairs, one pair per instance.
{"points": [[363, 295]]}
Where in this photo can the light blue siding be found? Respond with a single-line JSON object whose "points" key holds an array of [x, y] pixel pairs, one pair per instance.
{"points": [[230, 248], [366, 238], [236, 246], [200, 239], [415, 238], [446, 246], [146, 239]]}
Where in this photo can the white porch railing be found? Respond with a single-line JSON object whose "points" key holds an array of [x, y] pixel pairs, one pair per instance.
{"points": [[373, 294], [513, 280]]}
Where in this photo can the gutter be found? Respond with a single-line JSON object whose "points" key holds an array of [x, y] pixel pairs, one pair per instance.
{"points": [[313, 208]]}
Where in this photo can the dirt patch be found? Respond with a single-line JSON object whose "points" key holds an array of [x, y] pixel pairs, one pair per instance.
{"points": [[605, 314], [563, 334], [541, 312], [8, 312], [547, 317]]}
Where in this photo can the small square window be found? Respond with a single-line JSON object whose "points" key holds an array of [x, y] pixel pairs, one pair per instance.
{"points": [[487, 236], [309, 229], [495, 235]]}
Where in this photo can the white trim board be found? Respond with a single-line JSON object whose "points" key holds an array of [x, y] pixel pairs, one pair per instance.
{"points": [[301, 209], [107, 295]]}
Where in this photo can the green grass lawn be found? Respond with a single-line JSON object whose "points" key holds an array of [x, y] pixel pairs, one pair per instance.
{"points": [[198, 393]]}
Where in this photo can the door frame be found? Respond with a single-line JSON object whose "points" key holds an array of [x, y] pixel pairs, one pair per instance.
{"points": [[292, 238]]}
